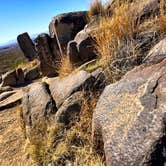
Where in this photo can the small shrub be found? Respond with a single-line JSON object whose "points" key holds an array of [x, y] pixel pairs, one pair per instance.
{"points": [[65, 67], [96, 8], [114, 37], [162, 18]]}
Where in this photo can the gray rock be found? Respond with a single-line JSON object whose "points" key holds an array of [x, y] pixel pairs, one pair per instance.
{"points": [[38, 104], [20, 76], [5, 89], [27, 46], [129, 119], [70, 109], [9, 78], [10, 100], [157, 53], [150, 8], [32, 74], [67, 25], [62, 88], [5, 95], [13, 78], [47, 53], [82, 48]]}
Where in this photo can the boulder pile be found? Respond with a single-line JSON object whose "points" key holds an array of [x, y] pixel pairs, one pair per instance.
{"points": [[129, 119], [66, 37]]}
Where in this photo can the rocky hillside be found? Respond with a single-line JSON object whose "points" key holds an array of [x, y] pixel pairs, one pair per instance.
{"points": [[92, 92]]}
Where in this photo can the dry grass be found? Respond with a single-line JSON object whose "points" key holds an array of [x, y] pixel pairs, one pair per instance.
{"points": [[65, 67], [114, 40], [75, 147], [96, 8], [162, 18], [11, 138], [118, 37], [62, 145]]}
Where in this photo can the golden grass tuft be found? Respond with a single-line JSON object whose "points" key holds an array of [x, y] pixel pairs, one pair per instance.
{"points": [[62, 145], [162, 18], [113, 29], [65, 67], [96, 8]]}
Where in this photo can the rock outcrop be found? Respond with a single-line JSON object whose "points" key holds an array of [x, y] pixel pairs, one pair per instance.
{"points": [[65, 26], [130, 118], [32, 74], [82, 48], [157, 53], [48, 54], [70, 109], [9, 78], [37, 104], [10, 99], [20, 76], [62, 88], [27, 46], [13, 78]]}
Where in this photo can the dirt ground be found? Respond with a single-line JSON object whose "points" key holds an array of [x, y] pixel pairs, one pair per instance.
{"points": [[12, 141]]}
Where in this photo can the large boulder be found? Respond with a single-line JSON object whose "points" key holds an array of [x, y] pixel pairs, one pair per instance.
{"points": [[9, 78], [145, 9], [65, 26], [82, 48], [48, 54], [38, 104], [27, 46], [149, 8], [129, 119], [10, 99], [157, 53], [62, 88], [13, 78], [32, 74], [20, 76], [5, 95], [70, 109], [5, 89]]}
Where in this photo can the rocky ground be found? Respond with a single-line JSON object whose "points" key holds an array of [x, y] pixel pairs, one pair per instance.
{"points": [[12, 140]]}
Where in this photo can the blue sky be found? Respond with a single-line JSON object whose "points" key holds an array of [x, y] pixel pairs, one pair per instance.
{"points": [[32, 16]]}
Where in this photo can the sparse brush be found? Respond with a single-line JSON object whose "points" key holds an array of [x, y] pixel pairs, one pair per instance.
{"points": [[162, 18], [96, 8], [65, 67], [114, 36], [61, 145]]}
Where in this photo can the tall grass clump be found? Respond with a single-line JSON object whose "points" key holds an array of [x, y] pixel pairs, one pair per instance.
{"points": [[96, 8], [65, 66], [162, 18], [58, 144], [113, 36]]}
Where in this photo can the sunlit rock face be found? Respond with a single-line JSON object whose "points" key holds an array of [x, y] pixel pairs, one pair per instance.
{"points": [[129, 119]]}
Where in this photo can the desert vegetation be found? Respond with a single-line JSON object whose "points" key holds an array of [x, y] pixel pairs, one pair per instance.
{"points": [[117, 35], [10, 59], [61, 145]]}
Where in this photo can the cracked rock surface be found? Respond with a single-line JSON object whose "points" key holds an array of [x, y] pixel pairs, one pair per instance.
{"points": [[129, 119]]}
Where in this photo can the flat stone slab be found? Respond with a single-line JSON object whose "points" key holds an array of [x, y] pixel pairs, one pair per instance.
{"points": [[12, 100], [62, 88]]}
